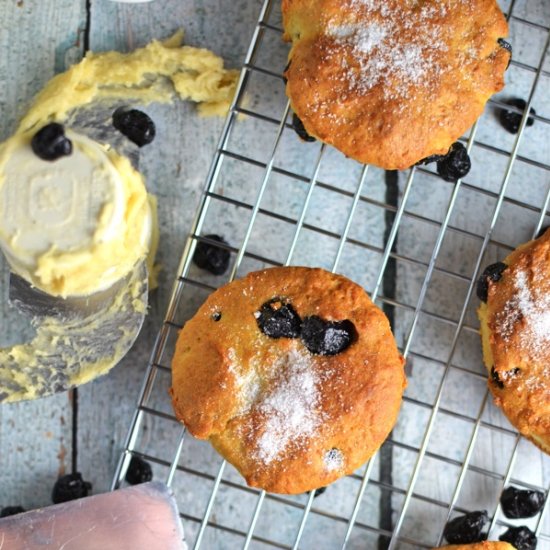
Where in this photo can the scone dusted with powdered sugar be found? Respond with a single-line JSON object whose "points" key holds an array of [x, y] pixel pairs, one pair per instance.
{"points": [[515, 328], [293, 375], [392, 82]]}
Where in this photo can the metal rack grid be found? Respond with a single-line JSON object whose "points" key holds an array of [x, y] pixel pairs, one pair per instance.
{"points": [[269, 191]]}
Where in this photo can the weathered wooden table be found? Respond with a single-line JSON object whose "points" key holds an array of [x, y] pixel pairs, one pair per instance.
{"points": [[39, 38], [452, 450]]}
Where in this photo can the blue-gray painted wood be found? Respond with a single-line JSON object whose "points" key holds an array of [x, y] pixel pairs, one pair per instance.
{"points": [[37, 40]]}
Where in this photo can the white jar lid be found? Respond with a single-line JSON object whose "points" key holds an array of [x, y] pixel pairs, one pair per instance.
{"points": [[67, 206], [59, 203]]}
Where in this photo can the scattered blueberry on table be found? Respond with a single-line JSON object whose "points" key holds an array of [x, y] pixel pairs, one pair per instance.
{"points": [[466, 529], [455, 164], [520, 537], [211, 257], [136, 125], [50, 142], [517, 503], [11, 511], [139, 471], [510, 119], [70, 487], [319, 492]]}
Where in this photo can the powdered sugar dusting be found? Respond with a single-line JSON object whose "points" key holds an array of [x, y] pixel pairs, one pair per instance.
{"points": [[247, 385], [334, 460], [532, 306], [290, 410], [380, 53]]}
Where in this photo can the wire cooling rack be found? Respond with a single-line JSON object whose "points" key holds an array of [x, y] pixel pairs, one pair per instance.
{"points": [[417, 244]]}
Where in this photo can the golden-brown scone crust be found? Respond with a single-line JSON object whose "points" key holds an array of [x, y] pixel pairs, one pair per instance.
{"points": [[515, 329], [480, 546], [288, 420], [391, 82]]}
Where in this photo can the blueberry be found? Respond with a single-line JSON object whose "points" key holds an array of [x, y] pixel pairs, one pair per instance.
{"points": [[299, 128], [70, 487], [511, 120], [211, 257], [520, 537], [508, 47], [327, 337], [455, 164], [496, 378], [466, 529], [278, 319], [517, 503], [430, 159], [216, 316], [50, 142], [492, 273], [11, 511], [318, 492], [139, 471], [136, 125]]}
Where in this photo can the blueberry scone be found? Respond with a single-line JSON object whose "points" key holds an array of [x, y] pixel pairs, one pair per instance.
{"points": [[392, 82], [293, 375], [515, 328]]}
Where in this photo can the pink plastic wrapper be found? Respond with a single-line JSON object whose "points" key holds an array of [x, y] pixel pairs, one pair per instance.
{"points": [[144, 517]]}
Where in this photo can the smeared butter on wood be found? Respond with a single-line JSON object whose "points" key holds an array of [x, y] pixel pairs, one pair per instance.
{"points": [[158, 72], [64, 351], [69, 350]]}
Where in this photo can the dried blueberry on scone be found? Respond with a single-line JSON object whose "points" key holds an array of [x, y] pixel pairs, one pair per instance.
{"points": [[515, 330], [293, 375], [392, 82]]}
